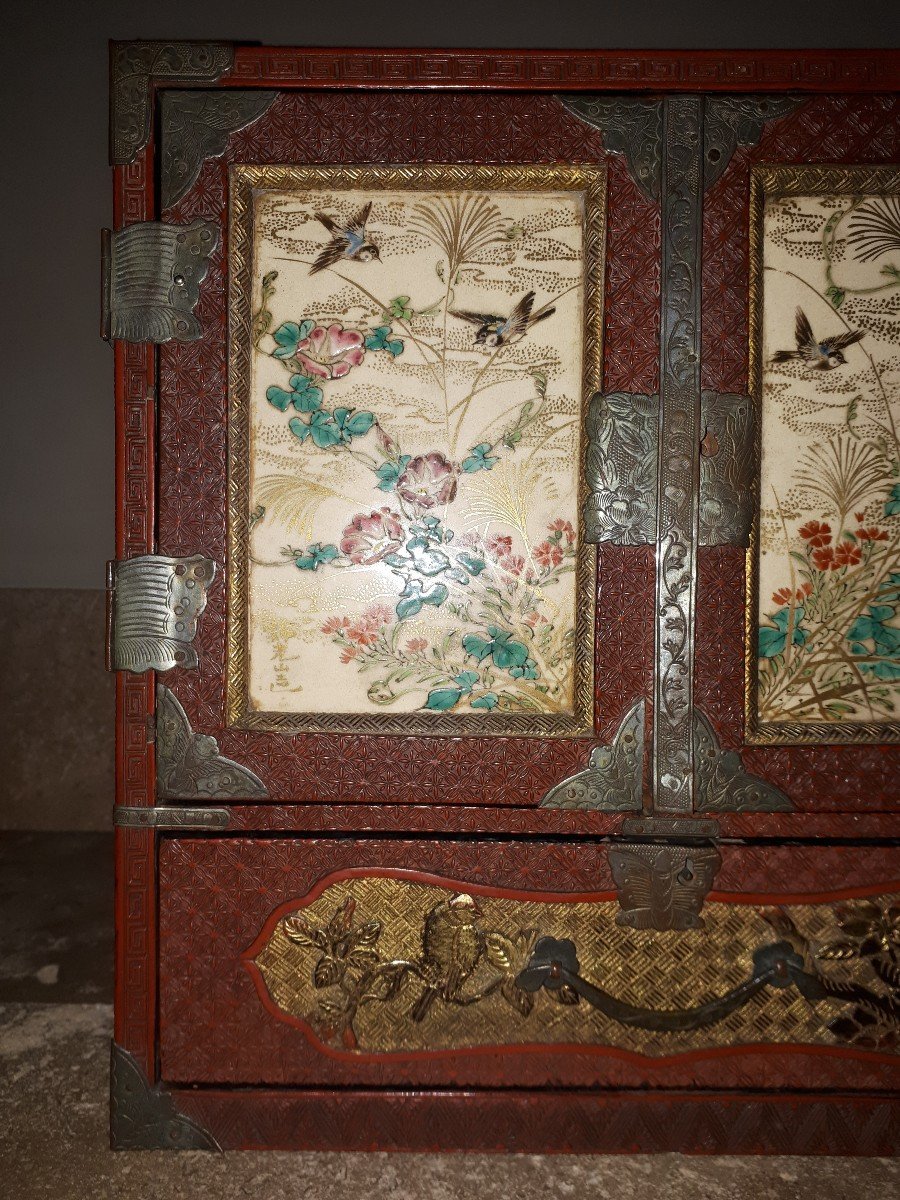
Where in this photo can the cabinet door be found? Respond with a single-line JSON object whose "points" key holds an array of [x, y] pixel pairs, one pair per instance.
{"points": [[419, 432]]}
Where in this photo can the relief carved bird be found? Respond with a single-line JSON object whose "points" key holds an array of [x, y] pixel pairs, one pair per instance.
{"points": [[348, 241], [495, 331], [452, 946], [824, 355]]}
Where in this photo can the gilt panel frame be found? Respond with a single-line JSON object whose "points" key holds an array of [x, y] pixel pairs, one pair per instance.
{"points": [[768, 181], [588, 178]]}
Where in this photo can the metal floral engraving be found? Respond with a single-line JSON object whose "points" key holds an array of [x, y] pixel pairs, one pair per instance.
{"points": [[621, 464], [679, 454]]}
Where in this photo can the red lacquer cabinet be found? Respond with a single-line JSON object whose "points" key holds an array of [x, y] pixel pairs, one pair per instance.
{"points": [[505, 604]]}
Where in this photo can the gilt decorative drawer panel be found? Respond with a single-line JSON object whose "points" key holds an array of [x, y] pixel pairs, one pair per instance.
{"points": [[314, 961], [506, 603]]}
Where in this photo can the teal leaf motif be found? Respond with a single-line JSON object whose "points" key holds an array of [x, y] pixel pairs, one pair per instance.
{"points": [[414, 595], [289, 335], [479, 459], [473, 565], [352, 424], [322, 428], [528, 670], [307, 396], [278, 397], [300, 429], [892, 506], [425, 559], [380, 339], [315, 556], [506, 654], [389, 472], [872, 635], [773, 641], [486, 700], [304, 395], [478, 647], [466, 681], [442, 699]]}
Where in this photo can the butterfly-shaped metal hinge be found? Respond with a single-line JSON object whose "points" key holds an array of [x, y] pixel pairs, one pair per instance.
{"points": [[189, 765], [612, 782]]}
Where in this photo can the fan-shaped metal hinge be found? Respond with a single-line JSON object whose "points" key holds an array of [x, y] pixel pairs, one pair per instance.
{"points": [[150, 280], [153, 604]]}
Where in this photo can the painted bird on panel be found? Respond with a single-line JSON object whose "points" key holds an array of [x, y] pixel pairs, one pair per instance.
{"points": [[349, 241], [495, 331], [822, 356]]}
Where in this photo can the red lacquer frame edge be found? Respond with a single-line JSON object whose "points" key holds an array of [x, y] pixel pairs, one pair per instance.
{"points": [[810, 71], [547, 1122]]}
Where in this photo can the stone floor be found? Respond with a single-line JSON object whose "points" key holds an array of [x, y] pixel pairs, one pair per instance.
{"points": [[55, 1020]]}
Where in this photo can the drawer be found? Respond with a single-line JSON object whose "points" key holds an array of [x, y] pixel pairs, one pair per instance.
{"points": [[515, 963]]}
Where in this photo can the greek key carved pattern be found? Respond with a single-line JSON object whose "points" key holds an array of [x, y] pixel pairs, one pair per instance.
{"points": [[135, 767]]}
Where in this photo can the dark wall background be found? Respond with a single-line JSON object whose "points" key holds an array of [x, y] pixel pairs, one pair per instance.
{"points": [[56, 444]]}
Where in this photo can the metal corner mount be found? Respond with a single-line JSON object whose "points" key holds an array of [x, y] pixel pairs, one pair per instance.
{"points": [[196, 126], [721, 782], [631, 126], [189, 765], [144, 1117], [135, 67], [613, 781], [154, 603], [151, 274]]}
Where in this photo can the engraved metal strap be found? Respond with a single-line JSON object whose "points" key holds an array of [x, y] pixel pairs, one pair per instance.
{"points": [[678, 468], [621, 465], [170, 817]]}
